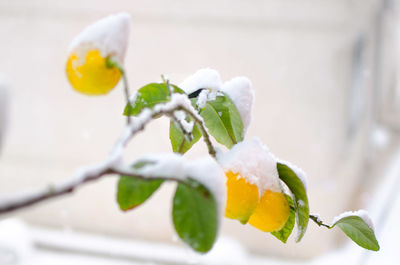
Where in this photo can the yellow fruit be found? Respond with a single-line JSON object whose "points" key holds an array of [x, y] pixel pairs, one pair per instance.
{"points": [[93, 77], [271, 213], [242, 197]]}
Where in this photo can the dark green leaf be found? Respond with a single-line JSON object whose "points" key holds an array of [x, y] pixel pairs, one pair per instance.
{"points": [[296, 187], [149, 96], [195, 216], [223, 121], [285, 232], [355, 228], [134, 191]]}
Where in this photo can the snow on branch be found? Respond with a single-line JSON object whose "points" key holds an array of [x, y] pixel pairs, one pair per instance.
{"points": [[111, 165]]}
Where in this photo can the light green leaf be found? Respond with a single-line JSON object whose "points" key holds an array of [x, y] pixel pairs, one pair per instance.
{"points": [[296, 187], [149, 96], [195, 216], [223, 121], [285, 232], [178, 140], [356, 228]]}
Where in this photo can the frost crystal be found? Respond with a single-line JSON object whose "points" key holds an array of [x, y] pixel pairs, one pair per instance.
{"points": [[203, 78], [240, 91], [109, 35], [252, 160], [363, 214]]}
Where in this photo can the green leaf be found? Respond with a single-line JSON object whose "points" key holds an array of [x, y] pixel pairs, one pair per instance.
{"points": [[195, 216], [178, 140], [149, 96], [296, 187], [134, 191], [223, 121], [285, 232], [359, 231]]}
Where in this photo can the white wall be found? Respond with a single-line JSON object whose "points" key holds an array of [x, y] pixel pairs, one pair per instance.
{"points": [[298, 55]]}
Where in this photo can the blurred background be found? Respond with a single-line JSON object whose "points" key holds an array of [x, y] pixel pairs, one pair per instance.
{"points": [[327, 79]]}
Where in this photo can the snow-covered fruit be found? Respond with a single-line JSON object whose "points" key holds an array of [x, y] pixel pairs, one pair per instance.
{"points": [[253, 175], [254, 193], [92, 65]]}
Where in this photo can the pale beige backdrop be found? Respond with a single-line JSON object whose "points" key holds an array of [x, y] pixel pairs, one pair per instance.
{"points": [[299, 55]]}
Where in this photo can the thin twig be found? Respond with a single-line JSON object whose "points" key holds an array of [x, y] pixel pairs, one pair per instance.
{"points": [[188, 135], [179, 102], [318, 221], [197, 119], [78, 180], [204, 131]]}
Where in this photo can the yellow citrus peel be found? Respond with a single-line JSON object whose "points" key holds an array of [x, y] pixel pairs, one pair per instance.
{"points": [[271, 213], [94, 76], [242, 197]]}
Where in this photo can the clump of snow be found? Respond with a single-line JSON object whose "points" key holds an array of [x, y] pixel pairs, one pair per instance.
{"points": [[202, 98], [205, 96], [240, 91], [109, 35], [298, 171], [203, 78], [180, 116], [174, 166], [363, 214], [253, 161]]}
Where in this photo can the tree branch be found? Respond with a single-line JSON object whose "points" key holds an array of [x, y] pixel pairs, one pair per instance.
{"points": [[197, 119], [112, 164]]}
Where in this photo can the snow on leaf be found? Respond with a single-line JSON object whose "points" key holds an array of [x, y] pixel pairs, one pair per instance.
{"points": [[358, 228], [240, 91], [205, 171], [223, 121], [148, 96], [297, 188], [203, 78], [363, 214]]}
